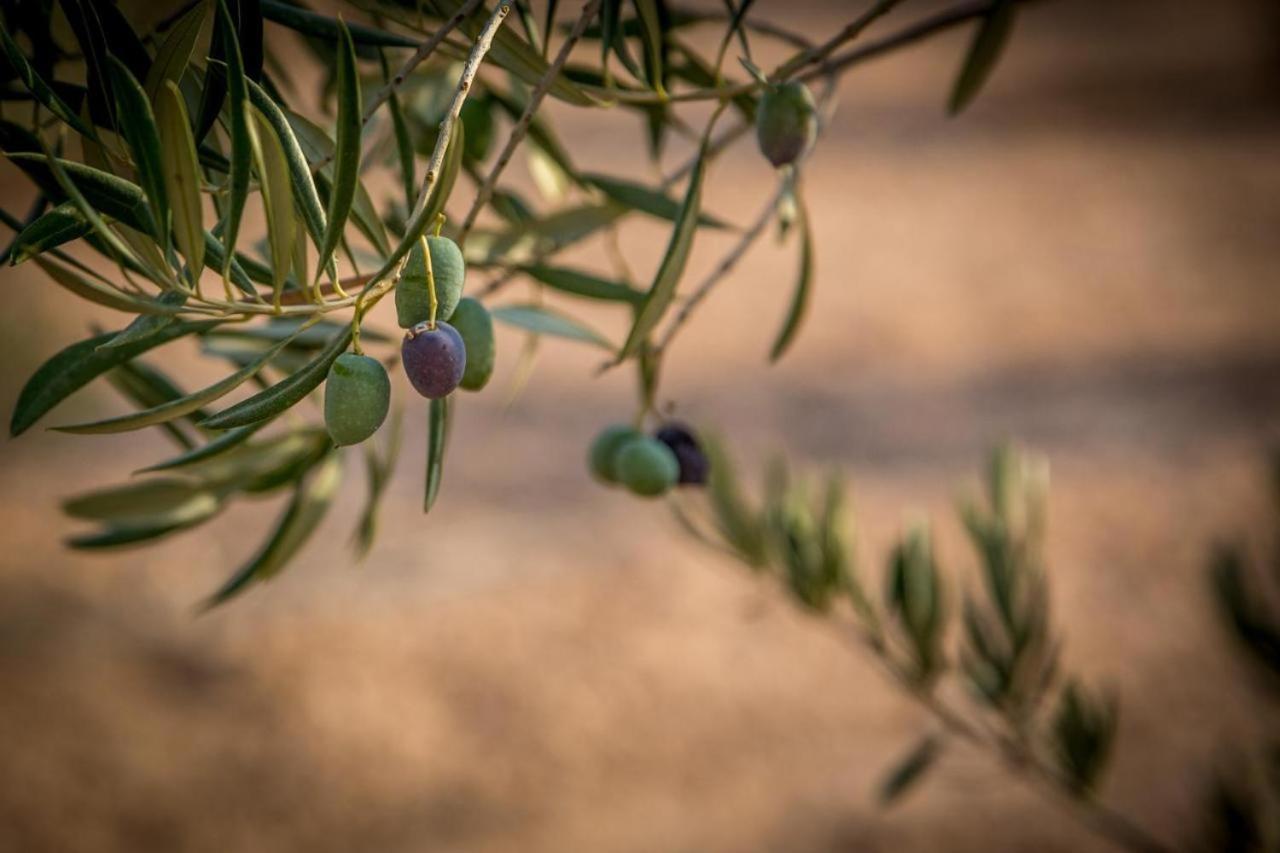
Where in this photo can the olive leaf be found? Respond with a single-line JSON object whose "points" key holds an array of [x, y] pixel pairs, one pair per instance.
{"points": [[140, 512], [53, 228], [229, 440], [38, 88], [347, 157], [644, 199], [175, 51], [910, 769], [313, 24], [98, 293], [545, 321], [311, 500], [651, 19], [108, 194], [801, 294], [584, 284], [181, 177], [241, 145], [400, 130], [138, 126], [663, 290], [984, 52], [378, 470], [147, 324], [438, 417], [277, 196], [184, 405], [284, 394], [81, 363]]}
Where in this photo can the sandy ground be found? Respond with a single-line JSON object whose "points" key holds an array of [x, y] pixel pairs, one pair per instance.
{"points": [[1086, 262]]}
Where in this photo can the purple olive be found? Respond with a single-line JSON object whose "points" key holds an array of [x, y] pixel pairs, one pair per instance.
{"points": [[694, 465], [434, 359]]}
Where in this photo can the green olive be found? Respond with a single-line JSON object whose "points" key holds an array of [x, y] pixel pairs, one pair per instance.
{"points": [[786, 123], [357, 395], [647, 467], [604, 450], [413, 299], [473, 322]]}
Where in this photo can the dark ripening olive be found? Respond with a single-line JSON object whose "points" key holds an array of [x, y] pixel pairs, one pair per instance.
{"points": [[647, 467], [474, 324], [434, 359], [604, 450], [786, 123], [357, 394], [413, 299], [694, 464]]}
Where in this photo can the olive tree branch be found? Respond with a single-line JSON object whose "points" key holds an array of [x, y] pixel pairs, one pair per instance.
{"points": [[726, 265], [397, 80], [380, 282], [485, 191]]}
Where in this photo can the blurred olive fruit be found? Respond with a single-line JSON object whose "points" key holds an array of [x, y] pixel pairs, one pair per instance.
{"points": [[357, 395], [434, 359], [413, 299], [474, 324], [786, 123], [694, 465], [604, 450], [647, 467]]}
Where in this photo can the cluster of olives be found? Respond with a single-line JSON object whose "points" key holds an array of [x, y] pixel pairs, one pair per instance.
{"points": [[786, 123], [648, 466], [438, 356]]}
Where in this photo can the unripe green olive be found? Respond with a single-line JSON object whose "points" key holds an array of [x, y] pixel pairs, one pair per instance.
{"points": [[647, 467], [357, 395], [413, 299], [786, 123], [474, 324], [604, 450]]}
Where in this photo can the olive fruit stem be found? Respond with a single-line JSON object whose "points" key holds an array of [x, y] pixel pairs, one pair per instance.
{"points": [[727, 263], [485, 192], [431, 284]]}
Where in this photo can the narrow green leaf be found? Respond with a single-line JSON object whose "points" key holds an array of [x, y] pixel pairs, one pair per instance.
{"points": [[173, 409], [544, 321], [378, 470], [347, 157], [91, 36], [584, 284], [448, 176], [652, 33], [138, 512], [55, 227], [646, 200], [284, 394], [437, 437], [674, 259], [177, 518], [82, 362], [404, 143], [910, 769], [800, 296], [241, 146], [229, 440], [277, 196], [310, 503], [149, 324], [137, 124], [984, 52], [39, 89], [181, 177], [175, 51], [264, 466], [305, 194], [98, 293], [112, 196], [312, 24]]}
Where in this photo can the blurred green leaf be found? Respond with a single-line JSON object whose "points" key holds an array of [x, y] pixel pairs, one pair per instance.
{"points": [[910, 769], [319, 26], [82, 362], [347, 154], [800, 296], [984, 52], [544, 321], [654, 36], [580, 283], [38, 88], [646, 200], [229, 440], [438, 416], [310, 503]]}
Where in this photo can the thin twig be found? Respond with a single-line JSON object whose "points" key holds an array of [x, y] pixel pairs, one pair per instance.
{"points": [[397, 80], [485, 192], [726, 265]]}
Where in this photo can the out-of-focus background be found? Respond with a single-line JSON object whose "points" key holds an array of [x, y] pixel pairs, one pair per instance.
{"points": [[1085, 261]]}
